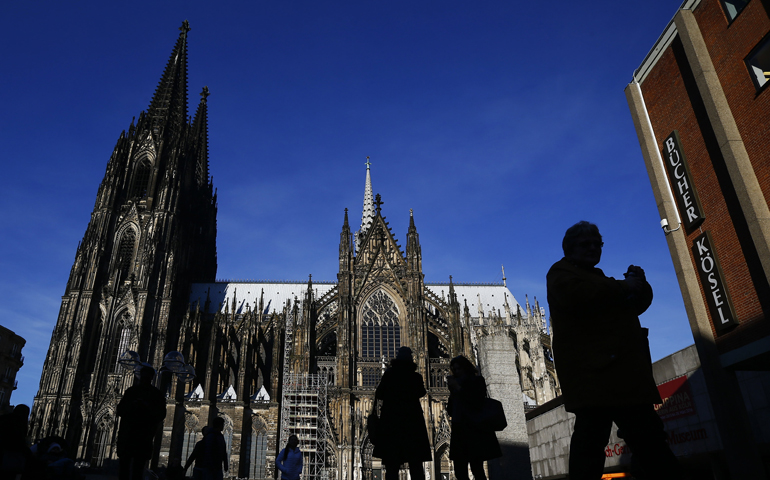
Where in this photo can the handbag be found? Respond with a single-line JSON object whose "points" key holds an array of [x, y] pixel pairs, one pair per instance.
{"points": [[491, 416], [372, 424]]}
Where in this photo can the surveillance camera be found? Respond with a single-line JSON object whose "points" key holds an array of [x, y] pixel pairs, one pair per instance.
{"points": [[663, 223]]}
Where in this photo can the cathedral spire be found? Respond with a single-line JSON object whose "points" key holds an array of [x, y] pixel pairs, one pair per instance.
{"points": [[200, 127], [168, 108], [367, 217]]}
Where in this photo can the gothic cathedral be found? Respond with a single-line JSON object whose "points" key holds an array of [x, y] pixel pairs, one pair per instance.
{"points": [[271, 358]]}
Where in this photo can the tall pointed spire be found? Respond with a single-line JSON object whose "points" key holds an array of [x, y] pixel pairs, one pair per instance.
{"points": [[200, 127], [367, 217], [168, 108]]}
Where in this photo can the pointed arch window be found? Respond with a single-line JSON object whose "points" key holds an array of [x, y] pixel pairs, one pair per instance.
{"points": [[101, 442], [257, 449], [189, 441], [120, 341], [141, 183], [126, 252], [380, 330]]}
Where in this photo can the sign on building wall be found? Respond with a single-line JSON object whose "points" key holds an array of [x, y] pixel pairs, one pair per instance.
{"points": [[677, 399], [690, 210], [713, 283]]}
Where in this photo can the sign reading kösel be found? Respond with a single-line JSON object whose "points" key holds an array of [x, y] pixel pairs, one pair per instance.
{"points": [[717, 297], [684, 190]]}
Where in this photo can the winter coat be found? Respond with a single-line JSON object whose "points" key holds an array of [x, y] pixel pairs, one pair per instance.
{"points": [[140, 410], [467, 441], [292, 466], [600, 349], [402, 434]]}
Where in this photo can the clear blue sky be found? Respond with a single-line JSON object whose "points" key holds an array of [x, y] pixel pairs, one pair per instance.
{"points": [[500, 123]]}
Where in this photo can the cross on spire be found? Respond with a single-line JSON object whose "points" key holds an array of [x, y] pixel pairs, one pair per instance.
{"points": [[368, 163], [185, 27], [205, 93]]}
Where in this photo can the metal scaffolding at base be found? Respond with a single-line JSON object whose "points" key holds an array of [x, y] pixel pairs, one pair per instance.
{"points": [[303, 413]]}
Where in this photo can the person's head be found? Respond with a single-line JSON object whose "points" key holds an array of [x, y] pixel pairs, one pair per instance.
{"points": [[461, 366], [146, 374], [205, 430], [21, 411], [582, 244], [404, 354], [218, 425], [293, 442]]}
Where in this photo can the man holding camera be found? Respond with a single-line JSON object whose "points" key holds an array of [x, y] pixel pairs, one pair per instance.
{"points": [[602, 357]]}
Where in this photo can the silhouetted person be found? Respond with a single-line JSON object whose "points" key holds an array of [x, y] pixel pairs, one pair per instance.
{"points": [[602, 357], [140, 410], [210, 454], [289, 461], [468, 444], [14, 451], [197, 456], [403, 437]]}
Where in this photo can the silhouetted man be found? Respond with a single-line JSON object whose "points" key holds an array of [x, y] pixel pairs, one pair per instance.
{"points": [[602, 357], [141, 409]]}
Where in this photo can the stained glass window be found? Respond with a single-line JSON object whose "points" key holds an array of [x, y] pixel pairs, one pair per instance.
{"points": [[141, 179], [257, 454], [380, 331], [120, 341], [126, 252]]}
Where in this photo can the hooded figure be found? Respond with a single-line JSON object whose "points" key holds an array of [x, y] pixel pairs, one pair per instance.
{"points": [[403, 436]]}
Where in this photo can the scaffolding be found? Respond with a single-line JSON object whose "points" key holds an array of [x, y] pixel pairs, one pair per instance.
{"points": [[303, 413]]}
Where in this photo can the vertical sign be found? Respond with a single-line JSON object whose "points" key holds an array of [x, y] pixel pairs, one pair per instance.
{"points": [[681, 182], [714, 286]]}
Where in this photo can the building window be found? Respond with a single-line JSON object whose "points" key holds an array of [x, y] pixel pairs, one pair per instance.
{"points": [[758, 63], [126, 252], [101, 443], [188, 445], [141, 179], [121, 341], [257, 454], [733, 7], [380, 331]]}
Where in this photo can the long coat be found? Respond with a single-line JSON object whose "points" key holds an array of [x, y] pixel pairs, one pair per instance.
{"points": [[403, 436], [141, 409], [468, 442], [600, 349]]}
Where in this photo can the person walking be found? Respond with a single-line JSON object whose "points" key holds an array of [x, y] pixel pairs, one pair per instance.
{"points": [[402, 434], [602, 356], [198, 456], [469, 444], [289, 461], [141, 410]]}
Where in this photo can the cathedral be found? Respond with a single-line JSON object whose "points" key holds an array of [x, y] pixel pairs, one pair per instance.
{"points": [[271, 358]]}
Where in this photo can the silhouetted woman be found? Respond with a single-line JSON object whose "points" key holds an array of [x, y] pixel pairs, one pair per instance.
{"points": [[289, 461], [468, 443], [402, 435]]}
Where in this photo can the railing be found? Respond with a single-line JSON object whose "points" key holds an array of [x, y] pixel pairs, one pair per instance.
{"points": [[327, 367]]}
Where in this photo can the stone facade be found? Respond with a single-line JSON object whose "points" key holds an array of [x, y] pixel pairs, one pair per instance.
{"points": [[134, 286]]}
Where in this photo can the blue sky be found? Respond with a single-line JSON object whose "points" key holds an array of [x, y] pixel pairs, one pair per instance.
{"points": [[500, 123]]}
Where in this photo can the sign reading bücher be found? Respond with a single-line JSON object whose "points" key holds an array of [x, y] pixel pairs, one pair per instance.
{"points": [[713, 283], [681, 182]]}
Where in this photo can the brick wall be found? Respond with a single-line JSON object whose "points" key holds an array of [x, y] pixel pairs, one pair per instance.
{"points": [[674, 103]]}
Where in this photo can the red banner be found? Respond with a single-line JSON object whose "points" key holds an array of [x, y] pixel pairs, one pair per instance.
{"points": [[677, 399]]}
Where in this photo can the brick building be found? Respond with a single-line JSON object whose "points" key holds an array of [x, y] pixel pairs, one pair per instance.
{"points": [[11, 361], [699, 102]]}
